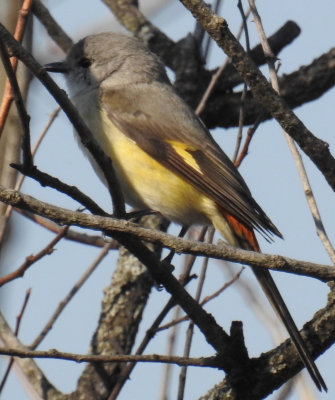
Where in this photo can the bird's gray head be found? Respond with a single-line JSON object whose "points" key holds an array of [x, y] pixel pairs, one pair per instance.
{"points": [[108, 59]]}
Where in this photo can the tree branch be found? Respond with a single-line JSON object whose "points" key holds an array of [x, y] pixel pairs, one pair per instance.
{"points": [[71, 112], [37, 382], [116, 227], [306, 84], [54, 30], [217, 27], [83, 358], [258, 378]]}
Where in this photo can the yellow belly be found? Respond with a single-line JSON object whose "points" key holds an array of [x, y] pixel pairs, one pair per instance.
{"points": [[148, 184]]}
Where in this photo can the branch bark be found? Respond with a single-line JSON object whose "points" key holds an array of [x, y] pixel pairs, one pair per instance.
{"points": [[116, 227], [121, 313], [257, 379], [217, 27]]}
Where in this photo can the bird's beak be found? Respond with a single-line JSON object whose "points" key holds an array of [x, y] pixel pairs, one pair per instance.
{"points": [[60, 67]]}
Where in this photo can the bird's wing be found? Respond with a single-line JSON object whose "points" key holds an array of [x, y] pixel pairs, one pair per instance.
{"points": [[175, 137]]}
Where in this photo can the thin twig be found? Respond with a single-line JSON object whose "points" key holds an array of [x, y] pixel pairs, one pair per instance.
{"points": [[80, 358], [244, 91], [16, 332], [320, 229], [70, 295], [72, 191], [171, 344], [54, 30], [151, 332], [210, 87], [262, 91], [34, 150], [240, 123], [190, 329], [215, 78], [48, 249], [103, 161], [204, 301], [247, 142], [91, 240], [23, 115], [223, 288], [24, 306], [18, 34], [209, 40]]}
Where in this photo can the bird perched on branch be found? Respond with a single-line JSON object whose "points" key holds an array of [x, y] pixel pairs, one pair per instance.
{"points": [[164, 157]]}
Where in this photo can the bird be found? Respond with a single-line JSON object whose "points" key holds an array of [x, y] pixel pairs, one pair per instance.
{"points": [[164, 157]]}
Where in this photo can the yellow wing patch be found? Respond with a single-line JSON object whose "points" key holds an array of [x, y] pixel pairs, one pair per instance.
{"points": [[183, 150]]}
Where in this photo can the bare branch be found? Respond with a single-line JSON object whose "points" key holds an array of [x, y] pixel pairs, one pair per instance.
{"points": [[116, 227], [153, 329], [190, 328], [70, 295], [79, 237], [37, 385], [18, 34], [263, 375], [81, 358], [54, 30], [23, 115], [320, 229], [129, 15], [316, 149], [84, 133], [48, 249], [17, 328]]}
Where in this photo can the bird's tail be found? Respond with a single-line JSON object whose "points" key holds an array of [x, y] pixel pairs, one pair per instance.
{"points": [[245, 238]]}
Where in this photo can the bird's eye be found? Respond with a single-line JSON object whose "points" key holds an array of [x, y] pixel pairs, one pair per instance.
{"points": [[84, 62]]}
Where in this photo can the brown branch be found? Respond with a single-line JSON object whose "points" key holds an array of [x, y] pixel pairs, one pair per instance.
{"points": [[260, 377], [203, 302], [72, 191], [129, 15], [22, 113], [278, 41], [18, 34], [247, 142], [84, 133], [306, 84], [316, 149], [19, 182], [54, 30], [151, 332], [124, 301], [70, 295], [122, 228], [48, 249], [79, 237], [319, 226], [37, 384], [80, 358], [190, 328], [16, 332]]}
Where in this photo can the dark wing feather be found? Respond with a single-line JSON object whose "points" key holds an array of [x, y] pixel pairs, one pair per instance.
{"points": [[158, 124]]}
